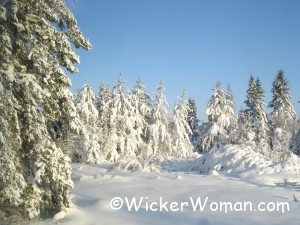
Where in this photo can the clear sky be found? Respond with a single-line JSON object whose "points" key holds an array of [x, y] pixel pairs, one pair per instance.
{"points": [[190, 44]]}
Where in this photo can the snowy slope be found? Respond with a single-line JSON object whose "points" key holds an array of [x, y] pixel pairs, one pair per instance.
{"points": [[96, 185]]}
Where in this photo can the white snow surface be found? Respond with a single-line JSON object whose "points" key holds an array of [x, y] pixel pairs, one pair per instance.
{"points": [[232, 173]]}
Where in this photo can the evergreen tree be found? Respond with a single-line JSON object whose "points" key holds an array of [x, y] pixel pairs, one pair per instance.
{"points": [[118, 129], [257, 116], [244, 133], [141, 103], [282, 118], [295, 141], [180, 130], [102, 98], [229, 97], [192, 120], [37, 37], [220, 117], [158, 137], [88, 148]]}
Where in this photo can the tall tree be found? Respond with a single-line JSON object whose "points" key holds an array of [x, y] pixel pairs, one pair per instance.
{"points": [[38, 36], [256, 113], [283, 117]]}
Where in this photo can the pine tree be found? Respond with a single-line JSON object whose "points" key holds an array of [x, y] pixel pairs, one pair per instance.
{"points": [[257, 116], [229, 96], [118, 129], [280, 103], [102, 98], [12, 179], [180, 129], [244, 133], [38, 36], [88, 148], [141, 103], [192, 120], [282, 118], [158, 137], [220, 117]]}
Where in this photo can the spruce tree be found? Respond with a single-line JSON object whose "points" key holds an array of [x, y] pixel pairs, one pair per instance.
{"points": [[158, 137], [102, 98], [118, 129], [282, 119], [37, 36], [88, 148], [142, 108], [220, 118], [180, 130], [192, 120], [257, 117]]}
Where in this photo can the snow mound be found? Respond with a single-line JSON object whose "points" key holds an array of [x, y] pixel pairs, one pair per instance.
{"points": [[242, 161], [59, 216], [231, 159]]}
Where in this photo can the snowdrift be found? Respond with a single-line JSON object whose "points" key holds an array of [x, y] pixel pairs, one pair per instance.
{"points": [[240, 161], [243, 162], [236, 159]]}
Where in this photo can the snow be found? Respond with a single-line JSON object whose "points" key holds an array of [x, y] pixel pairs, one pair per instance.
{"points": [[231, 173]]}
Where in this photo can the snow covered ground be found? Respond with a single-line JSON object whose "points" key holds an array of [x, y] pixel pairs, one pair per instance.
{"points": [[97, 185]]}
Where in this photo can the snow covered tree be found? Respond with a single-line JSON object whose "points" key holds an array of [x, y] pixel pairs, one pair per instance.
{"points": [[244, 134], [158, 137], [37, 36], [295, 142], [282, 118], [257, 116], [118, 130], [192, 120], [229, 96], [180, 129], [142, 108], [88, 148], [102, 98], [220, 118], [12, 182]]}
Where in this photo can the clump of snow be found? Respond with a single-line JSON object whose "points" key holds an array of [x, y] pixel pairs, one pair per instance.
{"points": [[60, 215]]}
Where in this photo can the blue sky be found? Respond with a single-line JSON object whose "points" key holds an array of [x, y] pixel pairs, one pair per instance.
{"points": [[190, 44]]}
